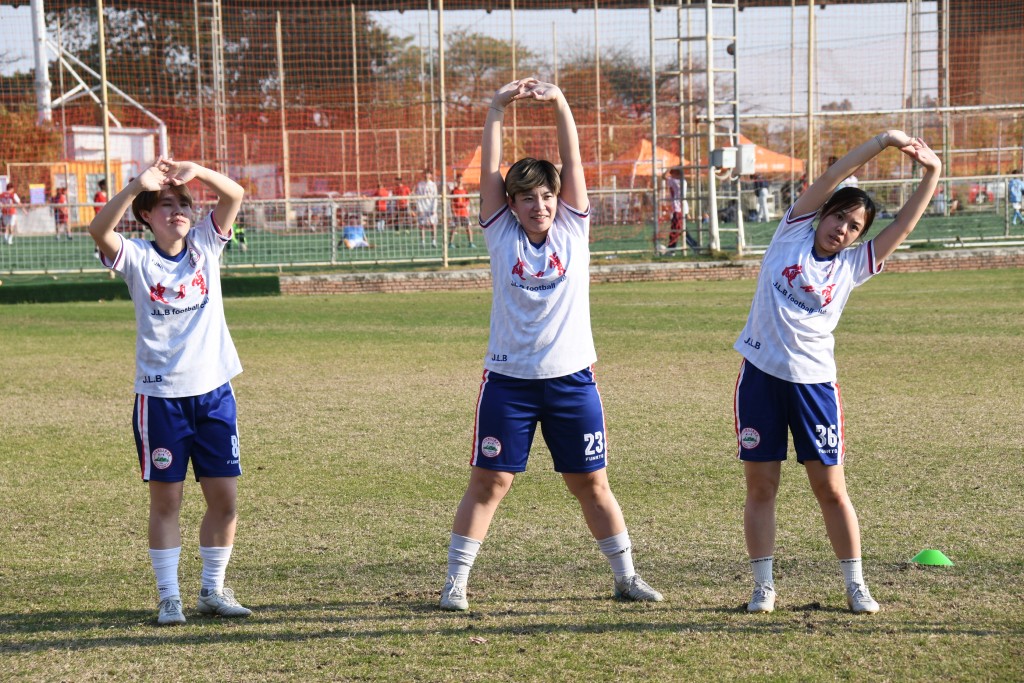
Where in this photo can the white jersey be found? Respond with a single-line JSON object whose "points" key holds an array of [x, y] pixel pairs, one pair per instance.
{"points": [[427, 204], [183, 347], [798, 301], [540, 310]]}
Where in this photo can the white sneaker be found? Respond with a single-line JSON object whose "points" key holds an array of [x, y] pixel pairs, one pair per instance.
{"points": [[453, 595], [763, 598], [635, 588], [170, 611], [220, 602], [860, 600]]}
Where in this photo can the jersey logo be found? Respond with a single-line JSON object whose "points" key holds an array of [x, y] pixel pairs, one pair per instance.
{"points": [[790, 272], [556, 263], [157, 293], [200, 282], [519, 269]]}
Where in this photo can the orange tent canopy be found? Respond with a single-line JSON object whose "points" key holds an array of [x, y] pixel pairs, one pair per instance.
{"points": [[636, 161], [469, 167], [767, 161]]}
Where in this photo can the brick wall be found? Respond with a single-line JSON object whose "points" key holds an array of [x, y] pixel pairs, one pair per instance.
{"points": [[661, 271]]}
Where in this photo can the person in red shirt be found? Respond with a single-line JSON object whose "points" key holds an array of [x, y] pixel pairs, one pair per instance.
{"points": [[61, 212], [101, 194], [99, 199], [460, 212], [9, 201], [380, 207], [401, 216]]}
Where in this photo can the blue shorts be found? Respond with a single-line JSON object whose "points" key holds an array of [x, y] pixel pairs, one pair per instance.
{"points": [[568, 409], [171, 431], [767, 406]]}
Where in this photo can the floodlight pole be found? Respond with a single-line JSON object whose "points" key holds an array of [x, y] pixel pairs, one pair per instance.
{"points": [[285, 154], [44, 106], [355, 93], [102, 39], [812, 167], [442, 106]]}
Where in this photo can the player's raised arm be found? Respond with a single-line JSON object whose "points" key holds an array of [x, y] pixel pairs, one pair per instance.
{"points": [[229, 193], [492, 185], [814, 196], [153, 179], [906, 220], [574, 185]]}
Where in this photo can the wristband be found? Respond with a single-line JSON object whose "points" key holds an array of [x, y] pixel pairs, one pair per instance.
{"points": [[878, 139], [500, 111]]}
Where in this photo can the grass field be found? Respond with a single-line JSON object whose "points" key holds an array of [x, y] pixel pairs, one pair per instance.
{"points": [[355, 416]]}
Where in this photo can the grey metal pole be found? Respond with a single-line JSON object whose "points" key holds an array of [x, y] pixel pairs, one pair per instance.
{"points": [[104, 102], [285, 155]]}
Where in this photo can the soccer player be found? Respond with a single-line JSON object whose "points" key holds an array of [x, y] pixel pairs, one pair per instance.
{"points": [[539, 360], [9, 203], [61, 212], [787, 380], [184, 404], [426, 208], [460, 212]]}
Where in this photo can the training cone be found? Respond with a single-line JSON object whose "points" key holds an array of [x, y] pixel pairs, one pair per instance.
{"points": [[932, 557]]}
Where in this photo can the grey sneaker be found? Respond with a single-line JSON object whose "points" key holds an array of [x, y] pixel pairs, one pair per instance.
{"points": [[453, 595], [220, 602], [860, 600], [635, 588], [763, 598], [170, 611]]}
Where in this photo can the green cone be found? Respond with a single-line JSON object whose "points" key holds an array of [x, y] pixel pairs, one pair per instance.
{"points": [[932, 557]]}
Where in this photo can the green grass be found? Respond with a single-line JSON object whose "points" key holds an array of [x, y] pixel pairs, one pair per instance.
{"points": [[355, 415]]}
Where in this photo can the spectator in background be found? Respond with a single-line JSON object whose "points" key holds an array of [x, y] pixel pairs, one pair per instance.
{"points": [[1015, 190], [380, 207], [99, 199], [61, 212], [940, 201], [9, 203], [460, 212], [680, 209], [426, 207], [761, 192], [401, 205]]}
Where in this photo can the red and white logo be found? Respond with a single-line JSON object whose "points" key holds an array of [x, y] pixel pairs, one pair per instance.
{"points": [[749, 438], [162, 458], [490, 447]]}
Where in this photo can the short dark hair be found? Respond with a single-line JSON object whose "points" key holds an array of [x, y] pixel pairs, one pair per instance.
{"points": [[847, 199], [145, 201], [528, 173]]}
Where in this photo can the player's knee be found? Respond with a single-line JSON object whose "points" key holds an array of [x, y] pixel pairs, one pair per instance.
{"points": [[762, 490]]}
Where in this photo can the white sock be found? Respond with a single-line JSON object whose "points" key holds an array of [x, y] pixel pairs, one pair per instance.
{"points": [[853, 572], [462, 552], [165, 566], [619, 553], [215, 565], [762, 568]]}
